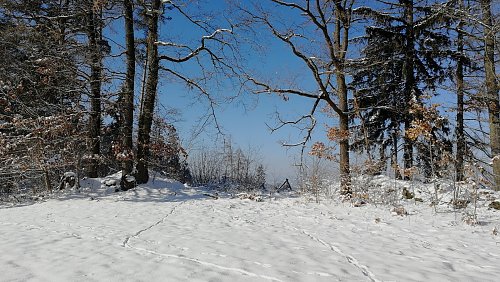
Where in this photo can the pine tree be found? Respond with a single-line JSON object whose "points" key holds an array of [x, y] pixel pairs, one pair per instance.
{"points": [[377, 82], [403, 61], [260, 177]]}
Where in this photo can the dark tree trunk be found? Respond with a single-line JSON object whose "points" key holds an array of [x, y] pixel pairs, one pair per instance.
{"points": [[63, 22], [394, 151], [492, 89], [345, 177], [128, 92], [459, 131], [409, 76], [407, 149], [146, 114], [93, 33]]}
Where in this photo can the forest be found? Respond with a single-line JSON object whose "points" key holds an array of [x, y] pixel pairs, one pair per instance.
{"points": [[411, 86]]}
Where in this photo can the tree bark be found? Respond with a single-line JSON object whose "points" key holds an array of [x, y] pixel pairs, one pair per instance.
{"points": [[341, 43], [345, 177], [394, 151], [459, 130], [93, 33], [409, 81], [128, 92], [491, 89], [146, 114]]}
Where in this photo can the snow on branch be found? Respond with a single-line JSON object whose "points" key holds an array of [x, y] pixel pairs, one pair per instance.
{"points": [[194, 52]]}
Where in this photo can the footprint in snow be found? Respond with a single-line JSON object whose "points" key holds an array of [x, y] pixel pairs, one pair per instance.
{"points": [[449, 266]]}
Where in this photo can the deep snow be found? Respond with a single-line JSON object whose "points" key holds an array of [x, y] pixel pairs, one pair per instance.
{"points": [[164, 231]]}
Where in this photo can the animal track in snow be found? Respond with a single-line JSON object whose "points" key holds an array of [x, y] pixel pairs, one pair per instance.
{"points": [[126, 244], [364, 269], [138, 233], [210, 264]]}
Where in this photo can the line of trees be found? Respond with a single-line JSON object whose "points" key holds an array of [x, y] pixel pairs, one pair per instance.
{"points": [[228, 167], [378, 68], [69, 85]]}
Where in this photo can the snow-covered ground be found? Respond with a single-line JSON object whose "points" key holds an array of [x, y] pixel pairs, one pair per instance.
{"points": [[167, 232]]}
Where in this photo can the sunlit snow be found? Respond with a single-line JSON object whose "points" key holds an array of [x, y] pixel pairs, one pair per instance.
{"points": [[165, 231]]}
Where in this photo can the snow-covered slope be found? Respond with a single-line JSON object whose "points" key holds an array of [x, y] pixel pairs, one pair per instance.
{"points": [[164, 231]]}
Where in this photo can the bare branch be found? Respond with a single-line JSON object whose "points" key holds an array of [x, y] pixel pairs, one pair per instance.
{"points": [[193, 84], [194, 52]]}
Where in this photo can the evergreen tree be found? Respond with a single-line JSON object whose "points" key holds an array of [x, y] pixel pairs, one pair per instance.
{"points": [[260, 177], [403, 61]]}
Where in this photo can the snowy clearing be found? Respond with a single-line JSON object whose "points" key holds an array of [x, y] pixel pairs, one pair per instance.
{"points": [[167, 232]]}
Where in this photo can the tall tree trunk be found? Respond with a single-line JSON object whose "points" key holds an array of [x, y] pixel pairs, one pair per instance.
{"points": [[459, 130], [128, 92], [341, 43], [146, 114], [407, 149], [345, 177], [409, 81], [93, 33], [492, 89]]}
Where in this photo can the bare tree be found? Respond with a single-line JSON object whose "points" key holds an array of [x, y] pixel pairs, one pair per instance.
{"points": [[176, 53], [227, 167], [319, 37], [148, 102]]}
